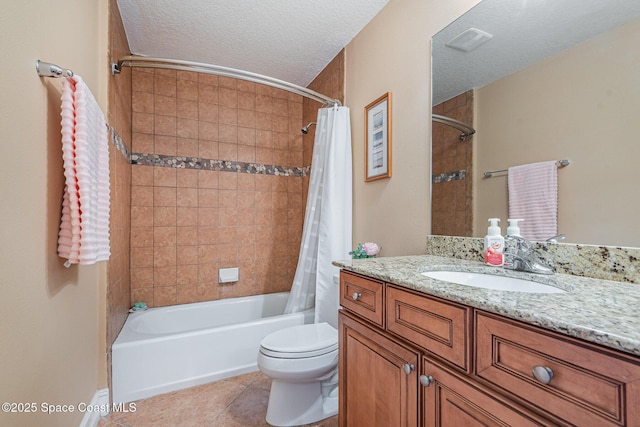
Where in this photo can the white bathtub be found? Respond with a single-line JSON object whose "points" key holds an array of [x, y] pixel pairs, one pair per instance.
{"points": [[170, 348]]}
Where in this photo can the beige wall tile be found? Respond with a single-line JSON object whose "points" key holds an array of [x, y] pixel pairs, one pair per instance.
{"points": [[187, 108], [187, 255], [164, 177], [187, 235], [141, 237], [142, 143], [187, 89], [165, 125], [165, 86], [164, 236], [164, 295], [142, 102], [141, 278], [164, 196], [164, 216], [141, 195], [141, 216], [207, 198], [228, 97], [207, 235], [141, 81], [186, 216], [187, 147], [187, 178], [165, 105]]}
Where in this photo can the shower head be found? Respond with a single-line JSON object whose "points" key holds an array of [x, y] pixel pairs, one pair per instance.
{"points": [[305, 129]]}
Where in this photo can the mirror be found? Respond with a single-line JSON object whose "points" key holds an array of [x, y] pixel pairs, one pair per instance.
{"points": [[558, 80]]}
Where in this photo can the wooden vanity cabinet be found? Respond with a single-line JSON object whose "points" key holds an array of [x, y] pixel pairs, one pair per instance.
{"points": [[410, 359]]}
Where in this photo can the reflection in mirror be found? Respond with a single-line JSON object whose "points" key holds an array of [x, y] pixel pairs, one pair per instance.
{"points": [[558, 80]]}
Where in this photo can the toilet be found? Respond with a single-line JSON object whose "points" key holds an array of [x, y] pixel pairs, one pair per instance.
{"points": [[302, 362]]}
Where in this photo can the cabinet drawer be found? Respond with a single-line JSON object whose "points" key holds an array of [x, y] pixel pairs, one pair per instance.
{"points": [[440, 327], [450, 400], [589, 386], [362, 296]]}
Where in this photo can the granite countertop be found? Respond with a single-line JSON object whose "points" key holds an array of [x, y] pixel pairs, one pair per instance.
{"points": [[600, 311]]}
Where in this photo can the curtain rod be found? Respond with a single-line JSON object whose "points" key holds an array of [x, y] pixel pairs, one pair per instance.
{"points": [[466, 130], [559, 163], [177, 64]]}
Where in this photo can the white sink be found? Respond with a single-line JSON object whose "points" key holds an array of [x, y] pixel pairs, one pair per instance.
{"points": [[491, 281]]}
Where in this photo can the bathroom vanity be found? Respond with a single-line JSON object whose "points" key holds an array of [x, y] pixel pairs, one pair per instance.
{"points": [[421, 351]]}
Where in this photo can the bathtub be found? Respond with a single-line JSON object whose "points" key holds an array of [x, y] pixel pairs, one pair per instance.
{"points": [[171, 348]]}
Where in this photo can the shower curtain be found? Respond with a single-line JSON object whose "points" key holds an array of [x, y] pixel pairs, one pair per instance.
{"points": [[326, 234]]}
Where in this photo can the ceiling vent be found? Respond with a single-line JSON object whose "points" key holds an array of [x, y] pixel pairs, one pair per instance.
{"points": [[469, 40]]}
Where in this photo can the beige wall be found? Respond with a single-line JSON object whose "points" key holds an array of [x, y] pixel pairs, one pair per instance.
{"points": [[580, 105], [392, 54], [52, 332]]}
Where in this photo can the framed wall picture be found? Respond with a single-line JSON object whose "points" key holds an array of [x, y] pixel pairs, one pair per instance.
{"points": [[377, 140]]}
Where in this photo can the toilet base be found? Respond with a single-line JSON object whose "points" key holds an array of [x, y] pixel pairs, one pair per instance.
{"points": [[294, 404]]}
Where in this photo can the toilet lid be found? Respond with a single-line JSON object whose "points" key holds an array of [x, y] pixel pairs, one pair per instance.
{"points": [[301, 341]]}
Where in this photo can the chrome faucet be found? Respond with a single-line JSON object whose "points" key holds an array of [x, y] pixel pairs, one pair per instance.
{"points": [[519, 255]]}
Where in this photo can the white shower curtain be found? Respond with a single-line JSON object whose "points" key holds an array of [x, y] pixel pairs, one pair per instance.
{"points": [[326, 234]]}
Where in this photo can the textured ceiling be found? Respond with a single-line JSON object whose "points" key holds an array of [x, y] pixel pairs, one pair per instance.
{"points": [[291, 40], [524, 32]]}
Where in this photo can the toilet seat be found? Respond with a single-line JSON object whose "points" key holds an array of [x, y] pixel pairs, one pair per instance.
{"points": [[298, 342]]}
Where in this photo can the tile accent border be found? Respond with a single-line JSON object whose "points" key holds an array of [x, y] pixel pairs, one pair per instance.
{"points": [[216, 165], [177, 162], [449, 176], [119, 143], [599, 262]]}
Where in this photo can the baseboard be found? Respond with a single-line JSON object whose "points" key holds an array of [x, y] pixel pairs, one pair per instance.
{"points": [[98, 408]]}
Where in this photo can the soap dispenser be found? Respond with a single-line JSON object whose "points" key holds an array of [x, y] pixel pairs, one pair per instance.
{"points": [[510, 245], [494, 244], [513, 229]]}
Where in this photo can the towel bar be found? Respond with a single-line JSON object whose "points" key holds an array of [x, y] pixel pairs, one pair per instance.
{"points": [[46, 69], [559, 163]]}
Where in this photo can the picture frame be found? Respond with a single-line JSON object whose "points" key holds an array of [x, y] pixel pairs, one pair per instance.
{"points": [[377, 140]]}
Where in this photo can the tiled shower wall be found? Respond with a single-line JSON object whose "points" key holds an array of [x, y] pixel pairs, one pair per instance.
{"points": [[207, 186], [119, 117], [329, 82], [452, 160]]}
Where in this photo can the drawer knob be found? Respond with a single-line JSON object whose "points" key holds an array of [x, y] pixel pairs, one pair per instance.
{"points": [[356, 296], [408, 368], [426, 380], [542, 373]]}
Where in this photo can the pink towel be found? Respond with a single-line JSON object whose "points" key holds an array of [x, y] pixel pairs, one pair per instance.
{"points": [[533, 196], [84, 227]]}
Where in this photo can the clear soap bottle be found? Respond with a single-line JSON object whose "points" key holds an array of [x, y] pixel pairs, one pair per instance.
{"points": [[510, 245]]}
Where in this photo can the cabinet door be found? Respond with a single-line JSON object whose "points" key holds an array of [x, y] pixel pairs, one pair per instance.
{"points": [[378, 378], [451, 400]]}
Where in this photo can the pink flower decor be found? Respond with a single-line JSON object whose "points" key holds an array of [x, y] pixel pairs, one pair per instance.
{"points": [[365, 250], [371, 248]]}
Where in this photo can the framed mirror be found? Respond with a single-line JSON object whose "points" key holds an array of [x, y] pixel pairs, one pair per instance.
{"points": [[555, 80]]}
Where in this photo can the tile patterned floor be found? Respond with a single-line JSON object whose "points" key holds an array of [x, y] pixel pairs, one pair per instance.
{"points": [[234, 402]]}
